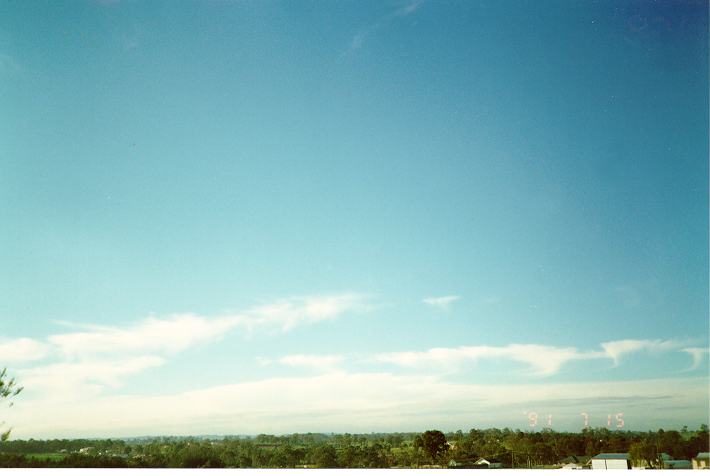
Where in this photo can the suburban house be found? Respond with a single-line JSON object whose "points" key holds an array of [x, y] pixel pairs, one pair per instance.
{"points": [[670, 463], [466, 463], [611, 461], [702, 461], [575, 462], [489, 463]]}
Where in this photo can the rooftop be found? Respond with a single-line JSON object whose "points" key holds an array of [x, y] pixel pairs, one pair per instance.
{"points": [[612, 456]]}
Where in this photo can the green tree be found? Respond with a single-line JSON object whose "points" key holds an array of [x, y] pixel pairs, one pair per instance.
{"points": [[286, 456], [375, 456], [8, 389], [325, 456], [433, 442], [348, 456], [644, 452]]}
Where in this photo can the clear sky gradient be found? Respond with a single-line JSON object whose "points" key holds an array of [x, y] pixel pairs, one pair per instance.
{"points": [[257, 216]]}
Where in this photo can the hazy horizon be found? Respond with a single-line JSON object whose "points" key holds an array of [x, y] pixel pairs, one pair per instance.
{"points": [[418, 431], [241, 217]]}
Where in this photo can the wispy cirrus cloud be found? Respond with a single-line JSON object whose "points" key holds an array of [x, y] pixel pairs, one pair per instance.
{"points": [[542, 360], [81, 365], [178, 332], [617, 349], [409, 8], [22, 350], [283, 315], [698, 354], [97, 355], [317, 362], [441, 302], [359, 402], [164, 335], [361, 36], [82, 379]]}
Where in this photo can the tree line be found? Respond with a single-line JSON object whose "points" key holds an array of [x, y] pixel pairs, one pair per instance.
{"points": [[513, 448]]}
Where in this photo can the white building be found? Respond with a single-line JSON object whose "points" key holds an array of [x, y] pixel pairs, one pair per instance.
{"points": [[611, 461], [490, 463], [702, 461]]}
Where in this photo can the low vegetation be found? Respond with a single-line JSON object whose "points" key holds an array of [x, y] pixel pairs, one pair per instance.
{"points": [[513, 448]]}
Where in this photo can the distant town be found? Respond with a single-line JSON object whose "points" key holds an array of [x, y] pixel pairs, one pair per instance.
{"points": [[592, 448]]}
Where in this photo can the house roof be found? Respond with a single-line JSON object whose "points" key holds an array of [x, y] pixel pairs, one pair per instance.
{"points": [[612, 456], [678, 464], [704, 455]]}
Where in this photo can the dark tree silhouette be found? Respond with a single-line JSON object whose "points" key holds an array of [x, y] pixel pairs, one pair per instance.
{"points": [[433, 442]]}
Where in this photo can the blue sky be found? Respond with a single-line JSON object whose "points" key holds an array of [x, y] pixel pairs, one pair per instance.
{"points": [[408, 214]]}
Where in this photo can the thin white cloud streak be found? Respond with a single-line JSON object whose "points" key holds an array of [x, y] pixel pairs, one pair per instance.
{"points": [[359, 38], [442, 302], [353, 402], [104, 356], [179, 332], [617, 349], [285, 314], [71, 380], [317, 362], [542, 360], [263, 361], [698, 354], [411, 7], [169, 335], [22, 350], [100, 357]]}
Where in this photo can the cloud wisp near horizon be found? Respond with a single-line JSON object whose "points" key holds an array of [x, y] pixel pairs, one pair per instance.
{"points": [[92, 365], [98, 356], [542, 360], [364, 402]]}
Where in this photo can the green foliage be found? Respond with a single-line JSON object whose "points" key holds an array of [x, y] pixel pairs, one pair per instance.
{"points": [[47, 456], [8, 386], [324, 456], [644, 453], [409, 450], [196, 455], [433, 442], [8, 389]]}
